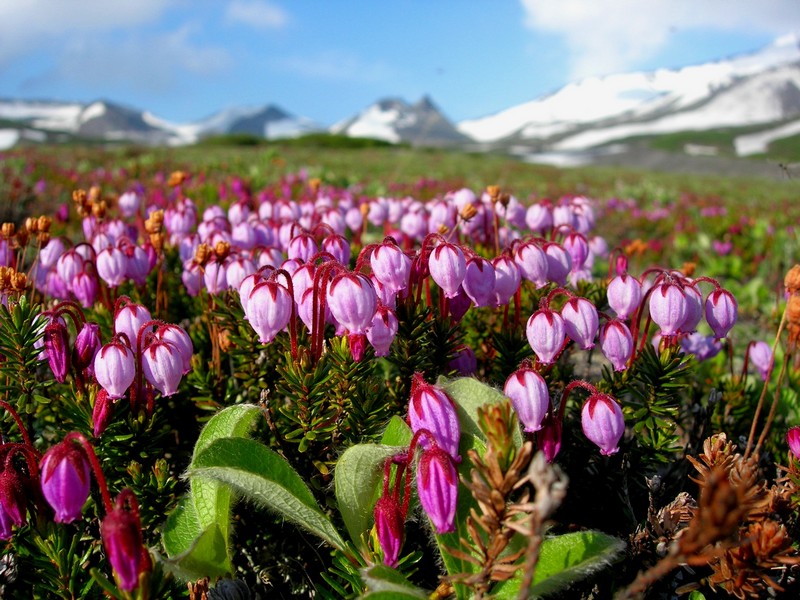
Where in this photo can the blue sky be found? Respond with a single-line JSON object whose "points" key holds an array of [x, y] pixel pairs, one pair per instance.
{"points": [[328, 59]]}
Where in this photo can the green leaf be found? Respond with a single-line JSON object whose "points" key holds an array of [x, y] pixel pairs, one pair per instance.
{"points": [[357, 479], [469, 394], [234, 421], [697, 595], [195, 552], [264, 477], [568, 558], [389, 584], [397, 433]]}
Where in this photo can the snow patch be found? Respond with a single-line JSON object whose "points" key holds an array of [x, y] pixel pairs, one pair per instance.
{"points": [[93, 111], [757, 143], [8, 137]]}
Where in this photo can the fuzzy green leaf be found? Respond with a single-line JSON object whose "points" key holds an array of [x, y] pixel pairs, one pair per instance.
{"points": [[264, 477], [568, 558], [385, 583], [357, 477], [397, 433]]}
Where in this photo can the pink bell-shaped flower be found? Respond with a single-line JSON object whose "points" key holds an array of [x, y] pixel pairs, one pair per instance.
{"points": [[581, 321], [353, 301], [437, 485], [624, 294], [115, 368], [87, 345], [269, 310], [391, 266], [447, 267], [129, 320], [65, 480], [432, 409], [668, 307], [546, 334], [616, 343], [182, 342], [529, 397], [506, 279], [694, 309], [162, 366], [338, 247], [760, 355], [13, 499], [56, 347], [793, 440], [602, 422], [559, 263], [111, 266], [532, 263], [382, 331], [722, 311], [578, 248], [479, 281], [85, 288]]}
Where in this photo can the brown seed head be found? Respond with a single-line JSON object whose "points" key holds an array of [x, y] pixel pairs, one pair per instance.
{"points": [[793, 318], [43, 237], [157, 240], [8, 230], [314, 183], [94, 194], [222, 250], [443, 229], [792, 280], [79, 197], [154, 222], [23, 235], [32, 225], [202, 254], [99, 208], [688, 268], [468, 212], [44, 223], [176, 178], [493, 191], [19, 281]]}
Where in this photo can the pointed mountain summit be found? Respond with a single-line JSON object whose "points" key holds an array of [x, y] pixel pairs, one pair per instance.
{"points": [[395, 120]]}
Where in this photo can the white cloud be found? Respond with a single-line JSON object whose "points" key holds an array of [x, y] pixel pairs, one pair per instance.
{"points": [[151, 62], [335, 66], [25, 24], [606, 36], [256, 13]]}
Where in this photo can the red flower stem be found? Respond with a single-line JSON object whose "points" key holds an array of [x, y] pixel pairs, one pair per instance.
{"points": [[98, 471], [18, 421]]}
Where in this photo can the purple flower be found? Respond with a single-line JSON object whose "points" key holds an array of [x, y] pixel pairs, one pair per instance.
{"points": [[56, 347], [624, 294], [269, 309], [529, 397], [391, 266], [721, 312], [760, 354], [390, 528], [87, 345], [479, 281], [694, 305], [121, 532], [668, 307], [162, 366], [616, 343], [65, 480], [581, 321], [182, 342], [447, 267], [506, 279], [129, 320], [793, 439], [432, 409], [602, 422], [338, 247], [13, 499], [559, 263], [437, 485], [578, 248], [115, 368], [111, 266], [353, 301], [532, 263], [465, 362], [546, 334], [102, 411], [382, 331]]}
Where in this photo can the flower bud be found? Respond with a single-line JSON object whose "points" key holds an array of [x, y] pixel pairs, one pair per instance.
{"points": [[580, 321], [559, 263], [721, 312], [382, 331], [269, 310], [437, 485], [129, 320], [546, 334], [87, 345], [13, 500], [338, 247], [102, 412], [56, 347], [602, 422], [506, 279], [432, 409], [389, 527], [793, 439], [85, 288], [121, 532], [578, 248], [65, 480], [302, 246], [549, 436], [529, 397]]}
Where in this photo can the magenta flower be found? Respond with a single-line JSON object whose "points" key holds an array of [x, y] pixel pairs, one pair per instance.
{"points": [[532, 263], [269, 309], [115, 368], [559, 263], [793, 439], [391, 266], [432, 409], [602, 422], [624, 294], [506, 279], [87, 345], [162, 366], [760, 354], [56, 347], [529, 397], [382, 331], [668, 307], [13, 499], [390, 528], [437, 485], [479, 281], [353, 301], [65, 480], [129, 320], [121, 532]]}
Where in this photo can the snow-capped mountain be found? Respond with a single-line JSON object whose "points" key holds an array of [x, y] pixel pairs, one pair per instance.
{"points": [[103, 120], [756, 88], [394, 120]]}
